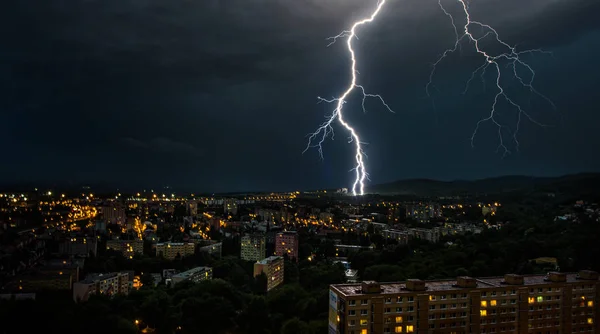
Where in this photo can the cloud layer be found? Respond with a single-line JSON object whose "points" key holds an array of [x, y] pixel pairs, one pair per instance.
{"points": [[236, 81]]}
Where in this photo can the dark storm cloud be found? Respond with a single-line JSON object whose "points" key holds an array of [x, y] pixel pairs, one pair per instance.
{"points": [[231, 81], [163, 145]]}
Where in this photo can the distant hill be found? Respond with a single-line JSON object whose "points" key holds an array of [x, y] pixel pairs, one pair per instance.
{"points": [[576, 183]]}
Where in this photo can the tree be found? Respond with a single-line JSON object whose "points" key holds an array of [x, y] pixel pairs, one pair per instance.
{"points": [[260, 284], [295, 326], [207, 314], [147, 280], [255, 319]]}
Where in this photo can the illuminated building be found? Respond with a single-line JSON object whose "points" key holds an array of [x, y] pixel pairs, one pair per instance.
{"points": [[170, 250], [106, 284], [78, 246], [114, 214], [423, 212], [253, 247], [230, 206], [192, 208], [272, 267], [556, 303], [195, 275], [398, 235], [287, 243], [214, 249], [127, 247]]}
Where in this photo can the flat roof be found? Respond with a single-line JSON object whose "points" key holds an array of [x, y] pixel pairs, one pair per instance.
{"points": [[355, 289], [269, 259], [191, 272]]}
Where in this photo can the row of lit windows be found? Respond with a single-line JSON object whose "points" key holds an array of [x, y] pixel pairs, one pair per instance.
{"points": [[397, 329]]}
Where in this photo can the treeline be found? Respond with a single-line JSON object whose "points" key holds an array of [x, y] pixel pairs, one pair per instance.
{"points": [[529, 232]]}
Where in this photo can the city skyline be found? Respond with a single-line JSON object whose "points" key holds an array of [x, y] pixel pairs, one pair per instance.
{"points": [[95, 99]]}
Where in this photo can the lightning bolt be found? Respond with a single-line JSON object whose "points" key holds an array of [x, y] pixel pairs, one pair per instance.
{"points": [[514, 61], [325, 130]]}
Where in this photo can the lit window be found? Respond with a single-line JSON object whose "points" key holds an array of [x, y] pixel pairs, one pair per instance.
{"points": [[492, 303], [531, 300], [410, 329], [483, 313], [431, 298], [363, 331], [590, 303], [363, 322], [483, 303], [398, 329], [540, 299], [590, 321], [398, 320]]}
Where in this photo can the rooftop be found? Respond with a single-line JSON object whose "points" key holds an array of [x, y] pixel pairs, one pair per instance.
{"points": [[92, 278], [187, 274], [269, 259], [355, 289]]}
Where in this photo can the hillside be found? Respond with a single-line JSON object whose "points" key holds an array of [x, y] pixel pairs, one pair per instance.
{"points": [[588, 183]]}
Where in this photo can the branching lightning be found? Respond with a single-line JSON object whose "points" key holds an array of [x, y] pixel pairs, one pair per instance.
{"points": [[325, 130], [514, 61]]}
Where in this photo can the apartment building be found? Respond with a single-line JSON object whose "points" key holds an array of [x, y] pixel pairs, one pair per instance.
{"points": [[195, 275], [273, 269], [253, 247], [557, 303], [287, 243], [128, 247], [170, 250], [214, 249], [78, 246], [107, 284]]}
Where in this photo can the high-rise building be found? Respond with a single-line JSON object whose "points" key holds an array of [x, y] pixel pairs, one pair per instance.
{"points": [[114, 214], [230, 206], [556, 303], [287, 243], [192, 208], [272, 267], [253, 247]]}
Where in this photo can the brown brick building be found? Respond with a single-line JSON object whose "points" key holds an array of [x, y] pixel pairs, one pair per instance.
{"points": [[557, 303]]}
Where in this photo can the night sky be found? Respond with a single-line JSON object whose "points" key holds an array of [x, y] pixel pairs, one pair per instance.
{"points": [[212, 95]]}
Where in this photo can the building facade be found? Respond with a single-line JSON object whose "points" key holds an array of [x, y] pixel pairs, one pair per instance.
{"points": [[214, 249], [272, 267], [556, 303], [287, 243], [423, 212], [195, 275], [106, 284], [128, 247], [253, 247], [170, 250], [114, 214], [78, 246]]}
